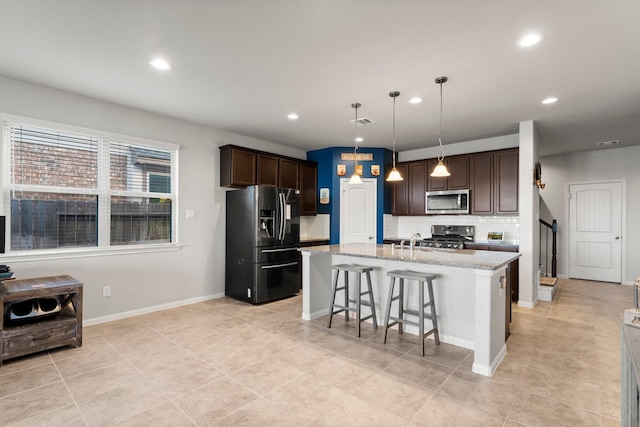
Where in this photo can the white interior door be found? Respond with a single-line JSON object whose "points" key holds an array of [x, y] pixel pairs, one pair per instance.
{"points": [[358, 211], [595, 231]]}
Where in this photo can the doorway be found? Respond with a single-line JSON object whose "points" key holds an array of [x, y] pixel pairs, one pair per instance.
{"points": [[358, 211], [596, 230]]}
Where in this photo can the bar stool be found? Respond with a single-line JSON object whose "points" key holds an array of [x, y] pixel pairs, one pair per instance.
{"points": [[421, 278], [359, 270]]}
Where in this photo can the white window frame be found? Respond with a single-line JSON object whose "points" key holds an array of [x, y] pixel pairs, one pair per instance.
{"points": [[104, 194]]}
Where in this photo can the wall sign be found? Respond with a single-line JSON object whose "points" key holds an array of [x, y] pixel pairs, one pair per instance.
{"points": [[324, 196], [360, 156]]}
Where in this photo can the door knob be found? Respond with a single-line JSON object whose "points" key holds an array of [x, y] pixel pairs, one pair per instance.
{"points": [[617, 237], [370, 237]]}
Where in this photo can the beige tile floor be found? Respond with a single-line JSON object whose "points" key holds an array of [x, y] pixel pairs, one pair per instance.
{"points": [[231, 364]]}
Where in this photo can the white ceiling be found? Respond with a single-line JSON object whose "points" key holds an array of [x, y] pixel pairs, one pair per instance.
{"points": [[243, 65]]}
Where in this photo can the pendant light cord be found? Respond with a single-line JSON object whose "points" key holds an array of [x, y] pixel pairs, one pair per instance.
{"points": [[355, 127], [441, 156], [394, 132]]}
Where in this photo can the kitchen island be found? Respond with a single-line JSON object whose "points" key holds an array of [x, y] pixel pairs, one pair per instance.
{"points": [[469, 292]]}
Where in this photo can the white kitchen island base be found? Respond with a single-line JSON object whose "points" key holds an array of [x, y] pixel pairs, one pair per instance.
{"points": [[469, 291]]}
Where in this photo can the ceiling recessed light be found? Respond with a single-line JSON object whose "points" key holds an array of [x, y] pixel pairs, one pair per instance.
{"points": [[415, 100], [550, 100], [359, 139], [292, 116], [530, 40], [160, 64]]}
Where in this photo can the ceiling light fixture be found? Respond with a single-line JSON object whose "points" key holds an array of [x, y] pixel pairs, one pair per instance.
{"points": [[440, 170], [292, 116], [394, 175], [550, 100], [355, 178], [160, 64], [530, 40], [415, 100]]}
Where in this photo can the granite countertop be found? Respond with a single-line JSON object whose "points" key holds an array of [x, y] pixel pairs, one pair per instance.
{"points": [[463, 258]]}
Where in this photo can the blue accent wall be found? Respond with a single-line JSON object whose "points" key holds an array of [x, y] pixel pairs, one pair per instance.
{"points": [[328, 160]]}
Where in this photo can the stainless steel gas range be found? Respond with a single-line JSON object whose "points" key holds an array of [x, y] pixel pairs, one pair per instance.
{"points": [[449, 236]]}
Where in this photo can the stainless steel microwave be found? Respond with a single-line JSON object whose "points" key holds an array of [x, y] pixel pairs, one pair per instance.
{"points": [[451, 202]]}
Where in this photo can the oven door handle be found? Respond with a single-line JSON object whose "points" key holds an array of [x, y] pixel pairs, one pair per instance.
{"points": [[266, 267]]}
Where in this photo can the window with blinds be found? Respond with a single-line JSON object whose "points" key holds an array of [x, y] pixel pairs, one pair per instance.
{"points": [[70, 189]]}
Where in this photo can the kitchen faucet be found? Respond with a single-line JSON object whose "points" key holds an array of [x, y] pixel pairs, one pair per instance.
{"points": [[414, 238]]}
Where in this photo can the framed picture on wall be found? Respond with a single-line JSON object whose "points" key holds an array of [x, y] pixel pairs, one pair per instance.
{"points": [[375, 170], [342, 170], [358, 170]]}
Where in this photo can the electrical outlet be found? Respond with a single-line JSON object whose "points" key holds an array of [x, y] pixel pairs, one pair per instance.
{"points": [[106, 291]]}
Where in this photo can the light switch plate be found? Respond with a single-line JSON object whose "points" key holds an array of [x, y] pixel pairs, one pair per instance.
{"points": [[191, 213]]}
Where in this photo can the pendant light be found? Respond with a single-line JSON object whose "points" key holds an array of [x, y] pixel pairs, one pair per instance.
{"points": [[440, 169], [355, 178], [394, 175]]}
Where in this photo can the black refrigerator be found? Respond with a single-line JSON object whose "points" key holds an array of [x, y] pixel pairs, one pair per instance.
{"points": [[262, 238]]}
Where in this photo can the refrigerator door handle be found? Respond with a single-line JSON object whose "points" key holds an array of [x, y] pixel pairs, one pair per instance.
{"points": [[282, 216], [265, 251], [266, 267]]}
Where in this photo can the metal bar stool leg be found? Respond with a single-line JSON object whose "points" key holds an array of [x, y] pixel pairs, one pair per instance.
{"points": [[387, 312], [434, 318], [372, 302], [421, 316], [358, 302], [333, 295], [401, 306], [346, 294]]}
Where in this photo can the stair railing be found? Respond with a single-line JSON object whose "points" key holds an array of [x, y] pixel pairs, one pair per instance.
{"points": [[546, 227]]}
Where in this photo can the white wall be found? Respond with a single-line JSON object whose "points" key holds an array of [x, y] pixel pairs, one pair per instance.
{"points": [[611, 163], [529, 207], [140, 281], [468, 147]]}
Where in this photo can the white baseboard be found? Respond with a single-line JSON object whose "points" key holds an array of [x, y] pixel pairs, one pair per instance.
{"points": [[488, 371], [146, 310], [527, 304]]}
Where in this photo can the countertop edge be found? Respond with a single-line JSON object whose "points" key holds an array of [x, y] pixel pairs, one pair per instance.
{"points": [[345, 250]]}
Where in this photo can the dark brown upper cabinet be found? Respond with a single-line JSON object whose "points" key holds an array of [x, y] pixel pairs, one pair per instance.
{"points": [[458, 166], [507, 172], [494, 182], [417, 187], [241, 167], [308, 188], [399, 191], [267, 170], [237, 167], [409, 194], [481, 192], [289, 173]]}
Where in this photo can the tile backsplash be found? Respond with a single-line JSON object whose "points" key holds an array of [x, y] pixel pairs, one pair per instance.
{"points": [[405, 226], [315, 227]]}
